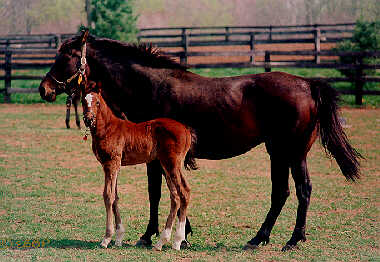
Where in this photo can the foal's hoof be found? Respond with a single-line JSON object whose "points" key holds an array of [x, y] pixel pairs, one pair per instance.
{"points": [[249, 246], [103, 245], [185, 244], [156, 248], [143, 243]]}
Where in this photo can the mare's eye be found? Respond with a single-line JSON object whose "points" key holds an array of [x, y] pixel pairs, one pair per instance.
{"points": [[97, 103]]}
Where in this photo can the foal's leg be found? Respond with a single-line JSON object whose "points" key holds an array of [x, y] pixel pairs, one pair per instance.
{"points": [[175, 204], [68, 105], [303, 189], [280, 192], [183, 190], [76, 102], [154, 172], [185, 243], [119, 225], [111, 170]]}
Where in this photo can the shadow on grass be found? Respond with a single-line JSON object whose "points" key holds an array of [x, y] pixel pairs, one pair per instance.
{"points": [[22, 244]]}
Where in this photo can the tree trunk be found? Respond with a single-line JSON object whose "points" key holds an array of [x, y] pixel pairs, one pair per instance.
{"points": [[88, 12], [308, 11]]}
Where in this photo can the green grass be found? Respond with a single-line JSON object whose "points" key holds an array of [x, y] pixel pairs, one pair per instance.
{"points": [[51, 193], [347, 100]]}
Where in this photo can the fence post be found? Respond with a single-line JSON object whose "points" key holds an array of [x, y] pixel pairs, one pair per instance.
{"points": [[58, 41], [317, 44], [267, 62], [359, 82], [8, 76], [270, 32], [252, 46], [227, 38], [185, 45]]}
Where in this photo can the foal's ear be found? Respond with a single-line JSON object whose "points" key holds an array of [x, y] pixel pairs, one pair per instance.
{"points": [[84, 35]]}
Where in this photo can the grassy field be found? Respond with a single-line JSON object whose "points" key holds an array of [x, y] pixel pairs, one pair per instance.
{"points": [[51, 206]]}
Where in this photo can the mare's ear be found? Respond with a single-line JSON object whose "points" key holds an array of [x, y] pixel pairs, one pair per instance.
{"points": [[84, 35]]}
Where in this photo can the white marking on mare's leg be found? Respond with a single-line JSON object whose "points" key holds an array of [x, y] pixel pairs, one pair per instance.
{"points": [[119, 235], [165, 237], [179, 235]]}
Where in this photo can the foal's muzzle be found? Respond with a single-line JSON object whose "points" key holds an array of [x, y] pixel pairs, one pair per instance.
{"points": [[89, 121]]}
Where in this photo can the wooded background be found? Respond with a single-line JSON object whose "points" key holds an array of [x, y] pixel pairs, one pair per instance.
{"points": [[64, 16]]}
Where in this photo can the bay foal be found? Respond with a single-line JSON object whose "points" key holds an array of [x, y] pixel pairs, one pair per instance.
{"points": [[117, 142]]}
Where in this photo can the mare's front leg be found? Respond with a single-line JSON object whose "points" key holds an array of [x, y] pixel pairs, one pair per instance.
{"points": [[111, 170], [76, 103], [68, 105], [154, 172]]}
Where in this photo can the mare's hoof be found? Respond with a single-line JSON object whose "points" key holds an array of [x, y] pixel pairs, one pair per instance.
{"points": [[185, 244], [288, 247], [249, 246], [118, 243], [143, 243]]}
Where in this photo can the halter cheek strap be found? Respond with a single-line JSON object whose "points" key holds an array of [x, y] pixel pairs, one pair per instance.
{"points": [[80, 72]]}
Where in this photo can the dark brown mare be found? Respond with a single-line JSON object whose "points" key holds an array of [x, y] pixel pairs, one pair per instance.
{"points": [[229, 115], [117, 142]]}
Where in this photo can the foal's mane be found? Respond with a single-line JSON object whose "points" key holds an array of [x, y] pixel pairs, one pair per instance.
{"points": [[143, 54]]}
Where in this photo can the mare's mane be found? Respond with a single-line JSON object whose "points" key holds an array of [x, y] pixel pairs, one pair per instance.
{"points": [[143, 54]]}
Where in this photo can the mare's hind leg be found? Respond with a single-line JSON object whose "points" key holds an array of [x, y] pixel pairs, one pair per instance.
{"points": [[280, 192], [303, 190], [68, 105], [119, 225], [76, 102]]}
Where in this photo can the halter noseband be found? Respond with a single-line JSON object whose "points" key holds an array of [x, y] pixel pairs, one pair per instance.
{"points": [[80, 72]]}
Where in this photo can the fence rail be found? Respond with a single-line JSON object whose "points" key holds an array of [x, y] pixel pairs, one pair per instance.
{"points": [[38, 51]]}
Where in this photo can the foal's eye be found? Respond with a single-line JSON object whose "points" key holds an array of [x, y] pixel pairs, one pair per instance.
{"points": [[97, 103]]}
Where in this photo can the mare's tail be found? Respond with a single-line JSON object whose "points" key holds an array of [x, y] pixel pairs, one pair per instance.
{"points": [[190, 162], [333, 138]]}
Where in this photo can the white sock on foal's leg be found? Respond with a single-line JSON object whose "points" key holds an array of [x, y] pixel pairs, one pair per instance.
{"points": [[165, 237], [119, 235], [179, 235]]}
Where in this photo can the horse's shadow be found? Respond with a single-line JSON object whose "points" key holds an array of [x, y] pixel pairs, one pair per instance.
{"points": [[80, 244], [23, 244]]}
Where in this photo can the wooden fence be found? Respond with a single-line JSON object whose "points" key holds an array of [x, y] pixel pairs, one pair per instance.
{"points": [[212, 47]]}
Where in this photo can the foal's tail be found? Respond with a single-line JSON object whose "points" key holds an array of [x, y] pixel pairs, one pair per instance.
{"points": [[333, 138], [190, 162]]}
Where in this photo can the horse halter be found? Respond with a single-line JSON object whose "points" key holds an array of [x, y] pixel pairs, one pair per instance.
{"points": [[80, 72]]}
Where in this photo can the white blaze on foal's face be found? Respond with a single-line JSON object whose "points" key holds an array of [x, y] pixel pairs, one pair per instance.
{"points": [[89, 99], [91, 107]]}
